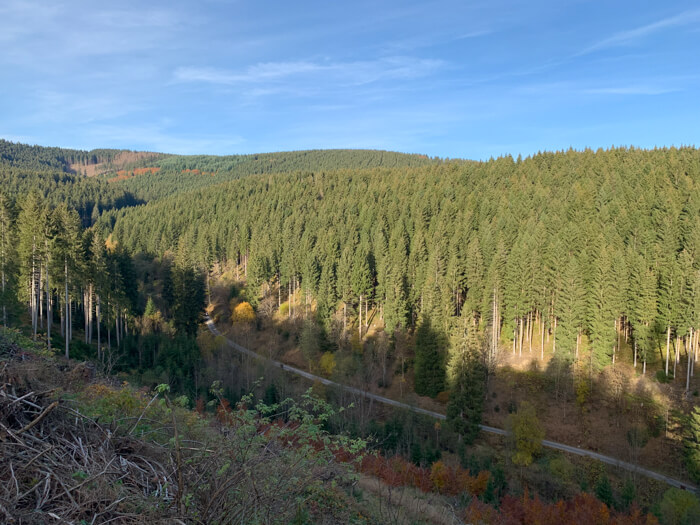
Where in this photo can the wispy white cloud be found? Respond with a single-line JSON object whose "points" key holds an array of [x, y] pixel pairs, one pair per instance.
{"points": [[632, 35], [340, 73], [571, 88], [432, 40], [42, 33], [636, 89]]}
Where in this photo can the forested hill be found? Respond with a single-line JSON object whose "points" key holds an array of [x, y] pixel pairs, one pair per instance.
{"points": [[48, 170], [176, 173], [586, 241], [45, 159]]}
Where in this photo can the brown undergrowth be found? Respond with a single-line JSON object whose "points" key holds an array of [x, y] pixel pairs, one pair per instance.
{"points": [[75, 449]]}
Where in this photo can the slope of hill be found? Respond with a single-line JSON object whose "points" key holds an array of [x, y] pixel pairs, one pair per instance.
{"points": [[48, 159], [177, 173]]}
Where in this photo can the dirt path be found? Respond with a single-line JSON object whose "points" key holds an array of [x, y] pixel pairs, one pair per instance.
{"points": [[381, 399]]}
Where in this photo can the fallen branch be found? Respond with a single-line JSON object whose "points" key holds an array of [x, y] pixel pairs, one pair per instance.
{"points": [[38, 418]]}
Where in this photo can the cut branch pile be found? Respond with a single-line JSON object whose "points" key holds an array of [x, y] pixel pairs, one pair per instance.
{"points": [[57, 463]]}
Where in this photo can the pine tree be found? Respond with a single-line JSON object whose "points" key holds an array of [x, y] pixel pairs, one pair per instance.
{"points": [[467, 379], [8, 256], [31, 221], [429, 370], [67, 256]]}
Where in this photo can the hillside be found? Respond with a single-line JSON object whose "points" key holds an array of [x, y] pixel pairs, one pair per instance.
{"points": [[560, 289], [76, 445], [177, 173], [80, 162]]}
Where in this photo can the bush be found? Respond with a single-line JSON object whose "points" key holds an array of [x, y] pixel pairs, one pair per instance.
{"points": [[284, 309], [562, 468], [526, 433], [661, 377], [679, 507]]}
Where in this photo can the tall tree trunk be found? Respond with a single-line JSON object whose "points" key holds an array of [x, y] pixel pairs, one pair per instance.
{"points": [[85, 313], [668, 346], [48, 308], [676, 353], [359, 323], [693, 351], [99, 342], [687, 372], [520, 336], [34, 291], [67, 308], [4, 307], [41, 298], [542, 338], [578, 342], [366, 314]]}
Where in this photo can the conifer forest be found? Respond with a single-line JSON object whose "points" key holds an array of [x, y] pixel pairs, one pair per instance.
{"points": [[553, 297]]}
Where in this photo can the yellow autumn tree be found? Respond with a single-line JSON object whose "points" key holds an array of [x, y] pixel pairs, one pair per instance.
{"points": [[243, 313], [327, 364]]}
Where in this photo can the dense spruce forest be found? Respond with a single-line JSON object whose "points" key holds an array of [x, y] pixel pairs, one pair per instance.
{"points": [[56, 173], [177, 173], [387, 271], [589, 246]]}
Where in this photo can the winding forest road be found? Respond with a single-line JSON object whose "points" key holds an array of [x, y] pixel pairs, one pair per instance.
{"points": [[493, 430]]}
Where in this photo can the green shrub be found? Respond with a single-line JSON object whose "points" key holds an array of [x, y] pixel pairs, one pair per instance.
{"points": [[562, 468]]}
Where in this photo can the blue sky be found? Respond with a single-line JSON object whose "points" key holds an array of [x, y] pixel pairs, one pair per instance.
{"points": [[445, 78]]}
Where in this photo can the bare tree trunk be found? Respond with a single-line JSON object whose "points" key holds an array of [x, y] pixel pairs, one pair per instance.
{"points": [[4, 307], [48, 308], [578, 342], [694, 352], [668, 346], [366, 314], [34, 292], [359, 322], [676, 355], [520, 336], [99, 342], [687, 372], [542, 338], [85, 312], [41, 298]]}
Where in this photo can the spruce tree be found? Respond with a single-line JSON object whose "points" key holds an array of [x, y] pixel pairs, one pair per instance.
{"points": [[429, 369], [467, 379]]}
